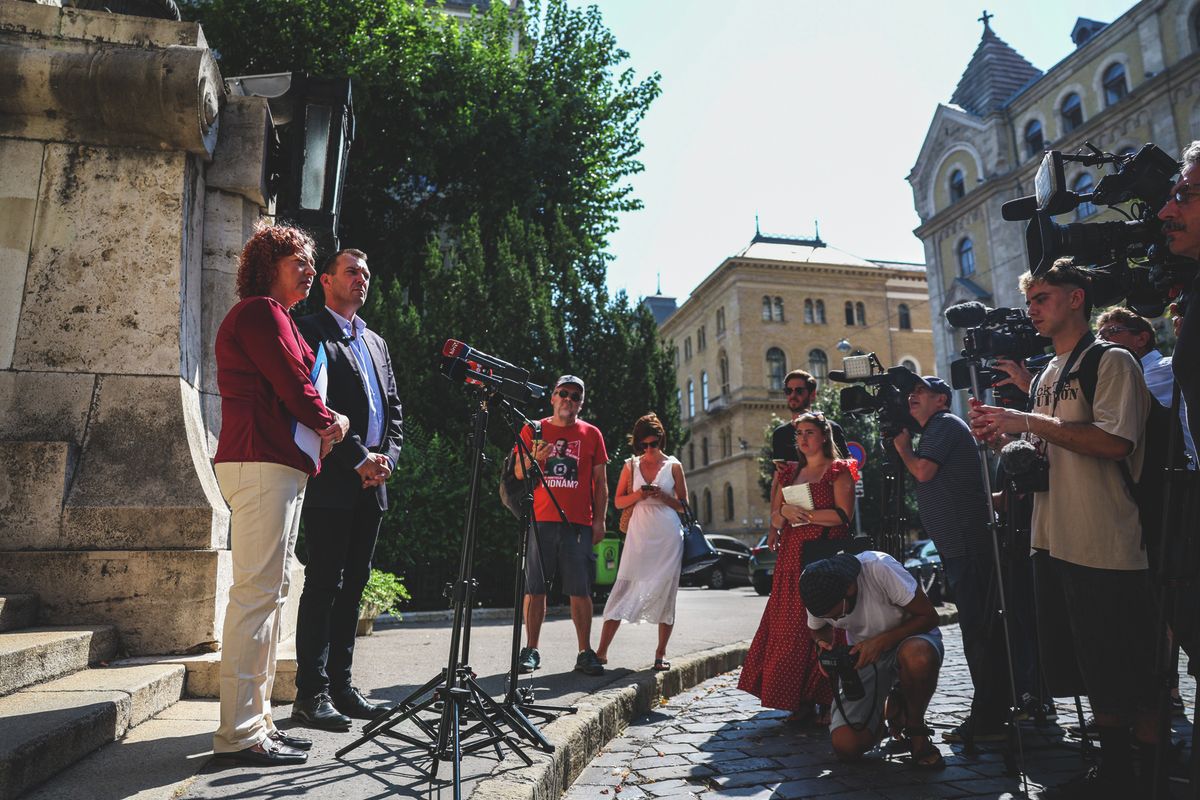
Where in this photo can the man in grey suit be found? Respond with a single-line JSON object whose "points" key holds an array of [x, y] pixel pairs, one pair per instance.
{"points": [[344, 503]]}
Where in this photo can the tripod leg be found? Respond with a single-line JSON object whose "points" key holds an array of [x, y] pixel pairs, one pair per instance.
{"points": [[1085, 741]]}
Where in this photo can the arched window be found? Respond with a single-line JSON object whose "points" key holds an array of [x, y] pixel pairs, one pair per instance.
{"points": [[905, 317], [779, 309], [820, 312], [1115, 86], [966, 257], [818, 364], [912, 365], [704, 451], [720, 321], [1072, 112], [1084, 185], [691, 399], [687, 349], [1035, 141], [860, 313], [849, 313], [704, 390], [808, 312], [728, 503], [723, 365], [708, 507], [776, 369], [679, 400], [766, 309], [958, 185]]}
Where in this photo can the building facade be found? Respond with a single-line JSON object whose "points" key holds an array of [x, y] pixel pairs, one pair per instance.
{"points": [[780, 304], [1132, 81]]}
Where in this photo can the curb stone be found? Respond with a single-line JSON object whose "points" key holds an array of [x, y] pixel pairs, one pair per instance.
{"points": [[600, 717]]}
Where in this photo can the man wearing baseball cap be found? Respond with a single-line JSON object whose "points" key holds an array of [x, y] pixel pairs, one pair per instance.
{"points": [[953, 506], [891, 628], [572, 455]]}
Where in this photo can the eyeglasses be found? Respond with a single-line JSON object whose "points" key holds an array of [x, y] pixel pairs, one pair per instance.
{"points": [[1108, 330], [576, 396], [650, 443], [1183, 194], [795, 390]]}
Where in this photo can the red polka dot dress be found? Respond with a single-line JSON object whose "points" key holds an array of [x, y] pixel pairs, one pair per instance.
{"points": [[781, 666]]}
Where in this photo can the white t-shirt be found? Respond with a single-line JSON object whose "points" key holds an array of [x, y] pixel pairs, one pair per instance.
{"points": [[884, 587]]}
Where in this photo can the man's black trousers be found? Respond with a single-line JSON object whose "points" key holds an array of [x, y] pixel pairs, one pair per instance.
{"points": [[339, 543]]}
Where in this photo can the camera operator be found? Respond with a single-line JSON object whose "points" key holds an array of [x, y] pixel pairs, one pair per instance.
{"points": [[953, 506], [1092, 571], [1181, 225], [892, 630]]}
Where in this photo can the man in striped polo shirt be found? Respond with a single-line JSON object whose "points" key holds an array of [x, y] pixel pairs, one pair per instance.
{"points": [[953, 506]]}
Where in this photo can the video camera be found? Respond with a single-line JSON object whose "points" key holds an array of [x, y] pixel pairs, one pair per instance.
{"points": [[993, 333], [1144, 179], [890, 396]]}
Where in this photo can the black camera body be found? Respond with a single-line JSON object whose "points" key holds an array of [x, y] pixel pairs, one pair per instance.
{"points": [[1144, 179], [839, 664], [889, 398], [992, 333]]}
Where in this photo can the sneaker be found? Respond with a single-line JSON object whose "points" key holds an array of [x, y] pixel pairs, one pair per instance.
{"points": [[1028, 708], [529, 659], [968, 730], [588, 664]]}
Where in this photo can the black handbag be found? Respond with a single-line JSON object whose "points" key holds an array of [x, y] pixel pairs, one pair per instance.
{"points": [[820, 549], [698, 552]]}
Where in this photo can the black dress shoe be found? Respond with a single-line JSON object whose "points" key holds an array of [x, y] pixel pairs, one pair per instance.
{"points": [[350, 702], [295, 742], [266, 754], [318, 712]]}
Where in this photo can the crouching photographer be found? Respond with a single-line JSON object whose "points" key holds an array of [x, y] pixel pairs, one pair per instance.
{"points": [[889, 669]]}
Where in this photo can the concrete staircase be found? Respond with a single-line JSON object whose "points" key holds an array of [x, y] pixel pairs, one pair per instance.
{"points": [[63, 696]]}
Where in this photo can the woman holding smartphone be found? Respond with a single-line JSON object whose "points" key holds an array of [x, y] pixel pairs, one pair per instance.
{"points": [[648, 578]]}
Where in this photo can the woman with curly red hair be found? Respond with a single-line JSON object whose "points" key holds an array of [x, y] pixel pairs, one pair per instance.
{"points": [[263, 374], [781, 666]]}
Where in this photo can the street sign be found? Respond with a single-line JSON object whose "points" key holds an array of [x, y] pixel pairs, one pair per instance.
{"points": [[857, 452]]}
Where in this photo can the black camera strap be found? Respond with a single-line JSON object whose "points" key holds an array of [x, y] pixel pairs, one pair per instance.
{"points": [[1084, 343]]}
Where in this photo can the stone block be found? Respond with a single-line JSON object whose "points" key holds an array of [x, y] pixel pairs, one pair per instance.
{"points": [[147, 32], [33, 477], [44, 406], [32, 19], [161, 601], [139, 483], [153, 684], [104, 297], [240, 161], [19, 180], [228, 222], [17, 611], [40, 654]]}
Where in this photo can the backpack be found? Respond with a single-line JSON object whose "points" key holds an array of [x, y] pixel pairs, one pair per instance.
{"points": [[1148, 492]]}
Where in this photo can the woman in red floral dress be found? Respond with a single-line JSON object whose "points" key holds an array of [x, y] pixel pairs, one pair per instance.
{"points": [[781, 668]]}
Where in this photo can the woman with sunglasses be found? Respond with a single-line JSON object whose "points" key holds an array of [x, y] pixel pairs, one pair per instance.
{"points": [[781, 667], [648, 578]]}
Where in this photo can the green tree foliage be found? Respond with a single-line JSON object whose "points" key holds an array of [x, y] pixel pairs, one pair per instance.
{"points": [[865, 431], [491, 162]]}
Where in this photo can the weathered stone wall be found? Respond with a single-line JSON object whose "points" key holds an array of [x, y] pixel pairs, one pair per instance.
{"points": [[124, 202]]}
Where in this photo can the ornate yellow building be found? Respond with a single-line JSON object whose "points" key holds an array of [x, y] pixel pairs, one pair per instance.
{"points": [[1128, 82], [780, 304]]}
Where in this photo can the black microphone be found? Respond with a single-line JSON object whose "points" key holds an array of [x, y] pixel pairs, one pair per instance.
{"points": [[1018, 457], [456, 349], [1020, 209], [967, 315]]}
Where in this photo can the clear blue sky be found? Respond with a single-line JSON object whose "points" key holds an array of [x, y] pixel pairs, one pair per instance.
{"points": [[797, 110]]}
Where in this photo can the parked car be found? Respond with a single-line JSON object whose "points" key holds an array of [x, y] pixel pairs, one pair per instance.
{"points": [[731, 569], [924, 564], [762, 566]]}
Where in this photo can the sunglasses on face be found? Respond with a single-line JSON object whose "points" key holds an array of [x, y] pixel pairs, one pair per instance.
{"points": [[650, 443], [796, 390], [565, 395]]}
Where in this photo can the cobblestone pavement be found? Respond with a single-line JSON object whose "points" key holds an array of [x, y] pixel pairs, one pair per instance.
{"points": [[715, 742]]}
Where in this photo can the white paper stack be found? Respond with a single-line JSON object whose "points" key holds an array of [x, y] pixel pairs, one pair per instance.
{"points": [[799, 494]]}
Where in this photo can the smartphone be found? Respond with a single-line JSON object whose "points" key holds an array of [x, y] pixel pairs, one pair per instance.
{"points": [[649, 487]]}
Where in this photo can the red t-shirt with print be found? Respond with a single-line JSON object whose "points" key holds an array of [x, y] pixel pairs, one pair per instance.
{"points": [[576, 450]]}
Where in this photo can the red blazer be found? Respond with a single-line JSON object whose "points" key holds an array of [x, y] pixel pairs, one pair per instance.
{"points": [[263, 368]]}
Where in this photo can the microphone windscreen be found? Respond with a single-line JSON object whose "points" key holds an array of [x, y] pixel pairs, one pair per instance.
{"points": [[1018, 457], [967, 315]]}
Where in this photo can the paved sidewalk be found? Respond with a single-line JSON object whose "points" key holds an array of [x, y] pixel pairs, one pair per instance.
{"points": [[715, 742]]}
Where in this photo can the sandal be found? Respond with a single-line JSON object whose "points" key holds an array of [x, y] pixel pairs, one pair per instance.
{"points": [[928, 757], [661, 665]]}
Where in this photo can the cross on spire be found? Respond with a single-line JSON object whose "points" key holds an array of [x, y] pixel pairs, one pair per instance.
{"points": [[985, 19]]}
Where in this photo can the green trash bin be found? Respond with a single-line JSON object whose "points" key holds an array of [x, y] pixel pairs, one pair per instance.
{"points": [[608, 557]]}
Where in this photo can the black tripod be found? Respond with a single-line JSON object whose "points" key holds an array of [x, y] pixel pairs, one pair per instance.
{"points": [[893, 528], [454, 696], [519, 701]]}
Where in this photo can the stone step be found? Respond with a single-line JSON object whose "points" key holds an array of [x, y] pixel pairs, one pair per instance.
{"points": [[46, 728], [17, 611], [33, 655], [204, 673]]}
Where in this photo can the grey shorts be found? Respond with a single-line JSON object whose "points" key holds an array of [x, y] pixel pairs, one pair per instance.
{"points": [[566, 552], [877, 679]]}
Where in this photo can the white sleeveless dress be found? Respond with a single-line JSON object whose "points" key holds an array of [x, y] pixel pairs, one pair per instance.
{"points": [[648, 577]]}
